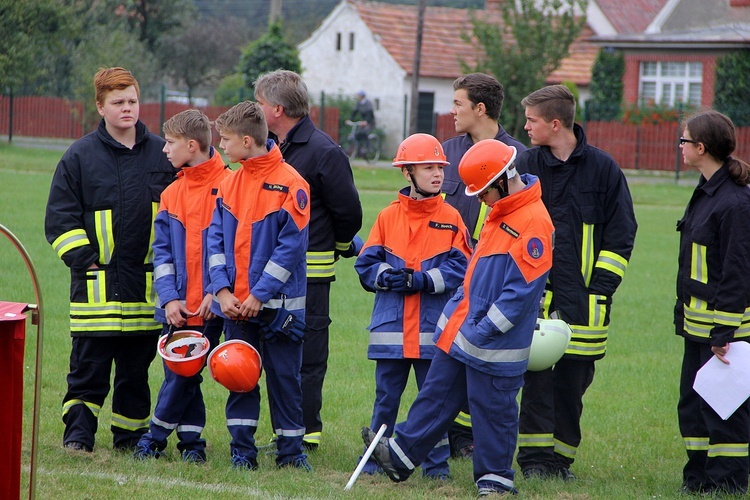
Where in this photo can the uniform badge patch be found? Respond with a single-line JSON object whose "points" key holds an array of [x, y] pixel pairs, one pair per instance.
{"points": [[535, 248], [301, 198]]}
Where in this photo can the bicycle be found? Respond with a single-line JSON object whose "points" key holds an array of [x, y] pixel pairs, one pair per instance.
{"points": [[359, 148]]}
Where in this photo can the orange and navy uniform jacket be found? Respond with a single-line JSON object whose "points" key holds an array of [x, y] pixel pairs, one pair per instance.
{"points": [[258, 234], [425, 235], [102, 203], [489, 322], [180, 232]]}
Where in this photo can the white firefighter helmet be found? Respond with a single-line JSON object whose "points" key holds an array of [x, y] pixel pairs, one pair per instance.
{"points": [[551, 337]]}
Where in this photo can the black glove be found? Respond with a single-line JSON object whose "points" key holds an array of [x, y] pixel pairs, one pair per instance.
{"points": [[415, 282], [354, 248], [392, 278], [279, 323]]}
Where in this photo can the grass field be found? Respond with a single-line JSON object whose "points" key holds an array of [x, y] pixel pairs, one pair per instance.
{"points": [[631, 444]]}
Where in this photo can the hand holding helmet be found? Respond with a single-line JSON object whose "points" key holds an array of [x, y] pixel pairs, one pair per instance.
{"points": [[281, 324]]}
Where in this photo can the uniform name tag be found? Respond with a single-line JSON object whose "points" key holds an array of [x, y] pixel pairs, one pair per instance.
{"points": [[275, 187], [505, 227], [443, 225]]}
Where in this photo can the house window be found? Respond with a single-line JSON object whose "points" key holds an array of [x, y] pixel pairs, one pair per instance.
{"points": [[351, 40], [338, 42], [670, 83]]}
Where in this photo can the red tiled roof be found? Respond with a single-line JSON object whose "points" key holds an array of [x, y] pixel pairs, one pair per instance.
{"points": [[631, 16], [443, 46], [577, 66]]}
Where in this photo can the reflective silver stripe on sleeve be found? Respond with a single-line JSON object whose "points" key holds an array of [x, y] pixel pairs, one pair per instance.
{"points": [[437, 279], [498, 319], [277, 271], [217, 260], [163, 270]]}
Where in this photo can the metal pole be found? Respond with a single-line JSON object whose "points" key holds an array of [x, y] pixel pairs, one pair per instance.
{"points": [[161, 107], [10, 117], [37, 309], [322, 110]]}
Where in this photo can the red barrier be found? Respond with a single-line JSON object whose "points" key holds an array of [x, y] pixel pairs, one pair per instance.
{"points": [[12, 338]]}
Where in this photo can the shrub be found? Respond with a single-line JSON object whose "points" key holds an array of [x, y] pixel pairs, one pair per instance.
{"points": [[733, 86], [651, 114], [606, 86]]}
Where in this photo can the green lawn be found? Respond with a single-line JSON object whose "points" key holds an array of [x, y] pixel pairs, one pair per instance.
{"points": [[631, 444]]}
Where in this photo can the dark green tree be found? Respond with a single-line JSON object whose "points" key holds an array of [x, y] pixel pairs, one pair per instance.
{"points": [[31, 32], [201, 53], [152, 19], [733, 86], [534, 37], [606, 86], [268, 53]]}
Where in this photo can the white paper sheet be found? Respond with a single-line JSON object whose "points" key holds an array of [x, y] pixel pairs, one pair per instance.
{"points": [[725, 387]]}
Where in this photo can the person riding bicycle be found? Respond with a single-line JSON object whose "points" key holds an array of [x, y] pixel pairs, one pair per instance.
{"points": [[364, 115]]}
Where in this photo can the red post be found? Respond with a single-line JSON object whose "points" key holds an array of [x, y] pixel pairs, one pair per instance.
{"points": [[12, 338]]}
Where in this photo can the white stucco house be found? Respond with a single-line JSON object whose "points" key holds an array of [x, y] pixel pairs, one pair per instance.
{"points": [[364, 45]]}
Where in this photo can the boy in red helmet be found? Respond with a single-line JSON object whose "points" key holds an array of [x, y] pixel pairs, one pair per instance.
{"points": [[414, 259]]}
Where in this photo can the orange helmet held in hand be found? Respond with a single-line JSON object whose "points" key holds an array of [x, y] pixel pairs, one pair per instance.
{"points": [[484, 163], [420, 149], [236, 365], [184, 352]]}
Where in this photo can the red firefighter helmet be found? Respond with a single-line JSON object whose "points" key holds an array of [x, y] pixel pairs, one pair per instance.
{"points": [[184, 351], [484, 163], [420, 149], [236, 365]]}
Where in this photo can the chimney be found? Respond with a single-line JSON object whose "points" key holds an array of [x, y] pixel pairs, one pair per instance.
{"points": [[493, 5]]}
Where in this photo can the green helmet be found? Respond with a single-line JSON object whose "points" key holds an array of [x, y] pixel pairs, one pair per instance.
{"points": [[551, 337]]}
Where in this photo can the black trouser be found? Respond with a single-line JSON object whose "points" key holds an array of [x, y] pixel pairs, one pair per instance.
{"points": [[459, 435], [551, 408], [88, 385], [315, 358], [717, 449]]}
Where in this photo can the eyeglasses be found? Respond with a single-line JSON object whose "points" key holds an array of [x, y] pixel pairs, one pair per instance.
{"points": [[683, 141], [480, 196]]}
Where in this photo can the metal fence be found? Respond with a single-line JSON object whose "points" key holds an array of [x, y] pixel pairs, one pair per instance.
{"points": [[637, 147], [54, 117]]}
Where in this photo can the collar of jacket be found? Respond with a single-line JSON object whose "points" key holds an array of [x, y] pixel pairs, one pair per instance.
{"points": [[513, 202], [425, 206], [301, 132], [263, 164], [141, 134], [578, 152], [720, 176], [202, 172]]}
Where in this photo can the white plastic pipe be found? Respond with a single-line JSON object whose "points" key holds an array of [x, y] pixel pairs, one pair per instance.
{"points": [[366, 456]]}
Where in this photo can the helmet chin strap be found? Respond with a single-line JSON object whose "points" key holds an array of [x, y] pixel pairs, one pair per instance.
{"points": [[508, 174], [419, 191]]}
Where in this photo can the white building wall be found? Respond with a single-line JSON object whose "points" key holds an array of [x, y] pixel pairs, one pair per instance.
{"points": [[367, 67]]}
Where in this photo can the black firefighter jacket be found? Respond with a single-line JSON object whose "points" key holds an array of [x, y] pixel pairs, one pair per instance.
{"points": [[588, 198], [101, 207]]}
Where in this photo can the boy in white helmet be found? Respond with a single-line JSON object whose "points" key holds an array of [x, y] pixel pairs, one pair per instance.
{"points": [[414, 259]]}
